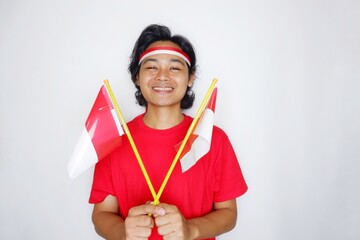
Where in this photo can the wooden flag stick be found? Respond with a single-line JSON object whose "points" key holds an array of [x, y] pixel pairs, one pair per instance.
{"points": [[131, 140], [189, 132]]}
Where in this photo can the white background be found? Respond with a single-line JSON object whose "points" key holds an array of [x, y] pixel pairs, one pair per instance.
{"points": [[289, 81]]}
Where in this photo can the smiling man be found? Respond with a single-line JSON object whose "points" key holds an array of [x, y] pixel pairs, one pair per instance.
{"points": [[199, 203]]}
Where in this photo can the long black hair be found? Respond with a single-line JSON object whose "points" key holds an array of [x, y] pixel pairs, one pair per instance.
{"points": [[149, 35]]}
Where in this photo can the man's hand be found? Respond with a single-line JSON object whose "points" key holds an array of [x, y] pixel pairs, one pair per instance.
{"points": [[172, 224], [169, 220], [139, 224]]}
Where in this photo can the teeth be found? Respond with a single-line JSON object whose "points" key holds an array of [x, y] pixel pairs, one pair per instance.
{"points": [[162, 88]]}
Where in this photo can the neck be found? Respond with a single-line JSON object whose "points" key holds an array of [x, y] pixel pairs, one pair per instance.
{"points": [[162, 118]]}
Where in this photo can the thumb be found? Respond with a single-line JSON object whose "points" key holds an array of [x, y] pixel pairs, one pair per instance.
{"points": [[159, 211]]}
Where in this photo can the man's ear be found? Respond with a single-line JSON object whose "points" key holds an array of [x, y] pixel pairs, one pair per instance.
{"points": [[191, 80]]}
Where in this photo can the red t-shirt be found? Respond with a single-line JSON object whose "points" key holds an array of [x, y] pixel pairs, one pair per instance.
{"points": [[216, 177]]}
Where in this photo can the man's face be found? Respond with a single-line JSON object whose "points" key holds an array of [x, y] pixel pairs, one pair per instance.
{"points": [[163, 78]]}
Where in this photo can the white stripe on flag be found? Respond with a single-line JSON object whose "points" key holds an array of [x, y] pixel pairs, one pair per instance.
{"points": [[117, 122], [84, 155], [201, 145]]}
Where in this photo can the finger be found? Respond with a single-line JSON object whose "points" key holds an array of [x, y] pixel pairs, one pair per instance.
{"points": [[172, 216], [138, 226], [169, 208], [145, 210], [165, 230], [159, 211], [138, 232], [141, 220]]}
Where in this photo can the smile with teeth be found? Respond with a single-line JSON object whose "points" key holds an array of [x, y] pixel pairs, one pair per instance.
{"points": [[162, 88]]}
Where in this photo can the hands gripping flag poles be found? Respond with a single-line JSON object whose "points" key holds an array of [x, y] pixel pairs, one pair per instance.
{"points": [[103, 135]]}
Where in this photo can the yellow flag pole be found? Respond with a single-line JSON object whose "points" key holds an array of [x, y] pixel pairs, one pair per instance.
{"points": [[190, 130], [131, 140]]}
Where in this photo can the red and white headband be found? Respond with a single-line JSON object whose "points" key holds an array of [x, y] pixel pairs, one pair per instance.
{"points": [[165, 50]]}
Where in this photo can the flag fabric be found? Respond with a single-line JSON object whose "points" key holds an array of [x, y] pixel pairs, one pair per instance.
{"points": [[100, 136], [199, 141]]}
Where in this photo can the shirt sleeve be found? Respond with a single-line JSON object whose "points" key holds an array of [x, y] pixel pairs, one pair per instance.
{"points": [[229, 180], [102, 183]]}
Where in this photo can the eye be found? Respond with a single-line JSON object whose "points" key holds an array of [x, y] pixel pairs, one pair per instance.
{"points": [[176, 67], [150, 67]]}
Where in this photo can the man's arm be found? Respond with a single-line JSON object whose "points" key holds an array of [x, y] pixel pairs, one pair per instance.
{"points": [[222, 219], [107, 221], [219, 221]]}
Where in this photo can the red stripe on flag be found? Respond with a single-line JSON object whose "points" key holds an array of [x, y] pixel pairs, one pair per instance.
{"points": [[212, 101], [101, 125], [187, 146]]}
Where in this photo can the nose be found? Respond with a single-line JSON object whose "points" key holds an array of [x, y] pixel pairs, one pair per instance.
{"points": [[162, 75]]}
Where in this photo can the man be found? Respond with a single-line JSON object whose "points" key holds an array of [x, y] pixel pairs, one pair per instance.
{"points": [[199, 203]]}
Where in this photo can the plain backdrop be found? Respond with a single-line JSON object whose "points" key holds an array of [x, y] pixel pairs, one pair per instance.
{"points": [[289, 81]]}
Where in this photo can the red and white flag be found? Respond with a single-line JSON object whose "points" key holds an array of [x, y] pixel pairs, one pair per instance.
{"points": [[100, 136], [199, 141]]}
